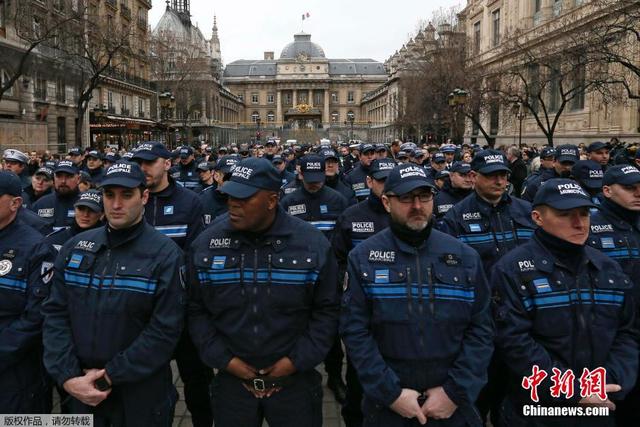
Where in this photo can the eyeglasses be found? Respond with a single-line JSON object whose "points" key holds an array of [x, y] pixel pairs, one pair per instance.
{"points": [[409, 198]]}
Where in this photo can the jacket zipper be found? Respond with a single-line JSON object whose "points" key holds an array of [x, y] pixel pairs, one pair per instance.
{"points": [[96, 312]]}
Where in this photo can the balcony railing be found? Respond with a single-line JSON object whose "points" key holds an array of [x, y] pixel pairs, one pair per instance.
{"points": [[127, 78], [125, 11]]}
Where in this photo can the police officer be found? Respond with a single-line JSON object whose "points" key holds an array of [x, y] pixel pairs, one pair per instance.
{"points": [[264, 304], [177, 213], [279, 163], [357, 177], [438, 164], [57, 208], [109, 159], [565, 157], [449, 151], [489, 220], [16, 161], [615, 231], [76, 156], [214, 202], [355, 225], [185, 173], [24, 387], [314, 202], [94, 167], [333, 176], [270, 149], [589, 175], [563, 305], [205, 174], [41, 185], [457, 187], [116, 311], [599, 152], [415, 315]]}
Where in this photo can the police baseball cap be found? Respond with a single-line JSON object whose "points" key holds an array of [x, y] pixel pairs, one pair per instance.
{"points": [[312, 168], [222, 150], [438, 157], [402, 155], [124, 174], [365, 148], [598, 145], [408, 147], [381, 168], [621, 174], [66, 166], [203, 166], [461, 168], [442, 174], [329, 154], [91, 199], [16, 156], [381, 147], [489, 161], [547, 152], [588, 173], [562, 194], [45, 171], [10, 184], [250, 176], [94, 154], [567, 153], [270, 142], [417, 153], [226, 163], [277, 159], [75, 151], [185, 152], [111, 157], [85, 177], [151, 151], [405, 178], [448, 148], [51, 164]]}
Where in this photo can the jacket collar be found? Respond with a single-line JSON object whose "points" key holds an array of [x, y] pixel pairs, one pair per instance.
{"points": [[485, 208], [545, 261], [167, 192]]}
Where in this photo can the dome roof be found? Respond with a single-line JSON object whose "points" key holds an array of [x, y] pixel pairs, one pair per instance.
{"points": [[302, 44]]}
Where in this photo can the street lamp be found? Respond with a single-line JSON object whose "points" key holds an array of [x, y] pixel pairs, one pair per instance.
{"points": [[518, 110], [457, 101], [258, 121], [167, 105], [350, 119]]}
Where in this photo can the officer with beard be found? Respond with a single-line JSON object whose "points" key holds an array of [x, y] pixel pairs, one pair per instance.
{"points": [[565, 157], [57, 208]]}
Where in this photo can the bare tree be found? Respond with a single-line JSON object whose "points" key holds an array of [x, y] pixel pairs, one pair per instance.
{"points": [[36, 31]]}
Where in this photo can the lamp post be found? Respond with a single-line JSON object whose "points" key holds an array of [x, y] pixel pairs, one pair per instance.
{"points": [[167, 105], [457, 101], [520, 114], [350, 119], [258, 121]]}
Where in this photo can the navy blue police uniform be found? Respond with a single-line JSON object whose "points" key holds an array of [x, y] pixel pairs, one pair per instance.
{"points": [[416, 317], [214, 203], [55, 208], [356, 178], [117, 303], [565, 306], [336, 182], [563, 153], [186, 175], [24, 385], [262, 297], [449, 196]]}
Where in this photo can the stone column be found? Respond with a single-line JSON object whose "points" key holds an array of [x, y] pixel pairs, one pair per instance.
{"points": [[294, 100], [311, 97], [326, 118], [547, 10], [279, 118]]}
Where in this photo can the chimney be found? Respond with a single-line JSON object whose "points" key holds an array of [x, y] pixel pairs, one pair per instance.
{"points": [[268, 56]]}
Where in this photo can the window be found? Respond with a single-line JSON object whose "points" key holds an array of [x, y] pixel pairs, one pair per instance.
{"points": [[3, 78], [318, 98], [494, 118], [141, 107], [255, 116], [534, 86], [554, 89], [1, 13], [557, 7], [271, 98], [254, 98], [40, 92], [110, 102], [287, 98], [58, 5], [123, 105], [74, 5], [476, 37], [350, 97], [537, 11], [241, 97], [271, 117], [61, 95], [37, 27], [577, 102], [351, 115], [335, 99], [335, 117], [495, 18]]}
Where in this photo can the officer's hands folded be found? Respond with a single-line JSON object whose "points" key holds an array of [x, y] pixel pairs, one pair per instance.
{"points": [[407, 405], [238, 368], [282, 368], [438, 405], [83, 388]]}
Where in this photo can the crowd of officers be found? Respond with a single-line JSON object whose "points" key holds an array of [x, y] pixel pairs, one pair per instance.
{"points": [[444, 272]]}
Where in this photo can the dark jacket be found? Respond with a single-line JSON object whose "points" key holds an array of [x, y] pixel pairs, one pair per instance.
{"points": [[264, 297], [187, 176], [518, 175], [214, 204], [337, 183], [57, 210], [357, 180]]}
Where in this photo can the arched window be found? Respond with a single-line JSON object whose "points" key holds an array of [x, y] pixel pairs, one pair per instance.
{"points": [[351, 115], [335, 117], [255, 116], [271, 117]]}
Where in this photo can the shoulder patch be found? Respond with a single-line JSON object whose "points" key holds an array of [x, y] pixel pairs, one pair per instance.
{"points": [[297, 209], [382, 256]]}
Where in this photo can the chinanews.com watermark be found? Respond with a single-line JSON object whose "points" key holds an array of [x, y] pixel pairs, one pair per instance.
{"points": [[591, 384]]}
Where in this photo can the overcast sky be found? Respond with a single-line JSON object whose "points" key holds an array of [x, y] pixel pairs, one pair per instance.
{"points": [[343, 28]]}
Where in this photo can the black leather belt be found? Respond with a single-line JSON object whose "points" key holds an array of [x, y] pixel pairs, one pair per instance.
{"points": [[266, 383]]}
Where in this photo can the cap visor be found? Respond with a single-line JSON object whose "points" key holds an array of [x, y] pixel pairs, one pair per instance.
{"points": [[184, 156], [311, 177], [561, 159], [91, 206], [121, 182], [238, 190], [66, 170], [630, 179], [381, 174], [565, 204], [493, 168], [408, 187], [144, 155], [593, 184]]}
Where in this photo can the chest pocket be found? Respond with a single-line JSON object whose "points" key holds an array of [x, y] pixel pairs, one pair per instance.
{"points": [[476, 232], [389, 292], [137, 284], [608, 297], [548, 297], [290, 279], [221, 278], [13, 286], [79, 270], [523, 228], [453, 292], [614, 246]]}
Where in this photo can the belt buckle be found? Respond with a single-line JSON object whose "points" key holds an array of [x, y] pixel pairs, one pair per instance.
{"points": [[258, 384]]}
